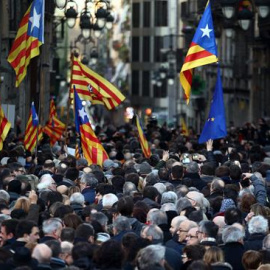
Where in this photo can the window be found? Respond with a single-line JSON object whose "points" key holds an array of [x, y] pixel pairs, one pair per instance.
{"points": [[146, 49], [135, 49], [157, 46], [136, 15], [135, 83], [146, 84], [160, 92], [161, 13], [146, 14]]}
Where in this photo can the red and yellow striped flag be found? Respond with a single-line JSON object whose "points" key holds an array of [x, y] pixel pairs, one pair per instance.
{"points": [[77, 151], [144, 144], [31, 136], [184, 129], [202, 50], [4, 127], [92, 149], [54, 128], [91, 86], [29, 38]]}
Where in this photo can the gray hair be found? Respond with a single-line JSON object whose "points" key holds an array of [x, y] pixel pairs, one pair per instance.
{"points": [[168, 207], [258, 224], [109, 200], [232, 234], [129, 188], [4, 196], [121, 224], [168, 197], [266, 242], [77, 197], [150, 257], [100, 217], [182, 203], [192, 167], [66, 247], [157, 217], [90, 180], [51, 225], [161, 188], [154, 231], [45, 181]]}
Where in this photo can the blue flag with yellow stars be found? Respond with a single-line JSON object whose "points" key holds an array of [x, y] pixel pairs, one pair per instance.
{"points": [[215, 126]]}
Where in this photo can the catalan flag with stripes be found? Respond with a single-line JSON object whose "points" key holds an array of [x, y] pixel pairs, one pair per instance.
{"points": [[202, 50], [184, 129], [4, 127], [77, 151], [54, 127], [91, 86], [92, 149], [144, 144], [29, 38], [33, 131]]}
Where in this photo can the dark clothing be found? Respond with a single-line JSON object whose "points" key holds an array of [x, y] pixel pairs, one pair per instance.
{"points": [[77, 208], [13, 196], [57, 178], [151, 203], [45, 239], [57, 263], [259, 189], [119, 236], [66, 182], [174, 244], [89, 195], [136, 225], [166, 232], [254, 241], [42, 266], [17, 244], [173, 258], [221, 266], [176, 182], [233, 253], [8, 243], [197, 182]]}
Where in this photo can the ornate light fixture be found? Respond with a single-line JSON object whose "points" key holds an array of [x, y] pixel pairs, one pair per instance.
{"points": [[263, 7]]}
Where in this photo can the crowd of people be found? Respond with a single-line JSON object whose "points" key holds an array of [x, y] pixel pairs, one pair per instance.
{"points": [[187, 206]]}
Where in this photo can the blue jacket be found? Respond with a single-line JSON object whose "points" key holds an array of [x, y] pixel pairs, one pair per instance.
{"points": [[89, 195]]}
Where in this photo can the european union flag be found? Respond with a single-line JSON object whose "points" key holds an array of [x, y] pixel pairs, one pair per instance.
{"points": [[34, 115], [215, 126]]}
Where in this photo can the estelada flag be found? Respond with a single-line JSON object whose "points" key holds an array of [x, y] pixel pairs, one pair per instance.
{"points": [[202, 50], [29, 38], [93, 87]]}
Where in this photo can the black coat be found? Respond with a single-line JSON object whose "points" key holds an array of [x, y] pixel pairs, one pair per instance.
{"points": [[233, 253], [254, 241]]}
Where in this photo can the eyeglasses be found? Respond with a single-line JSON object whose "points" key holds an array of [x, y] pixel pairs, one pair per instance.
{"points": [[191, 236], [180, 230]]}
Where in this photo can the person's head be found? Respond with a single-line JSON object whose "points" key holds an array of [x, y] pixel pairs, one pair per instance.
{"points": [[55, 246], [22, 203], [156, 216], [150, 193], [118, 182], [251, 259], [233, 215], [195, 198], [258, 224], [110, 255], [150, 257], [183, 229], [213, 255], [192, 167], [88, 180], [101, 218], [15, 186], [133, 178], [72, 174], [42, 253], [246, 201], [192, 236], [153, 233], [222, 171], [77, 198], [175, 223], [207, 229], [177, 172], [4, 196], [61, 168], [85, 231], [207, 169], [72, 220], [8, 229], [168, 197], [108, 200], [235, 172], [121, 224], [27, 230], [67, 235], [82, 250], [46, 182], [232, 234], [66, 249], [217, 185], [193, 253], [52, 227], [125, 206], [129, 188]]}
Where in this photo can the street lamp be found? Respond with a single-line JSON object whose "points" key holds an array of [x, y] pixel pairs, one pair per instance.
{"points": [[263, 7], [85, 24], [71, 13], [228, 8], [60, 3]]}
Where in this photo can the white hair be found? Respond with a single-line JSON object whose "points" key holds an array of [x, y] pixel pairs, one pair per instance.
{"points": [[51, 225], [109, 200], [4, 196], [232, 234], [168, 207], [168, 197], [160, 187], [66, 247], [42, 253], [258, 224], [77, 197], [45, 181]]}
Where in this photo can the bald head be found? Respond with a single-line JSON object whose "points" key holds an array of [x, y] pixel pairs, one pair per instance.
{"points": [[42, 253], [219, 221]]}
